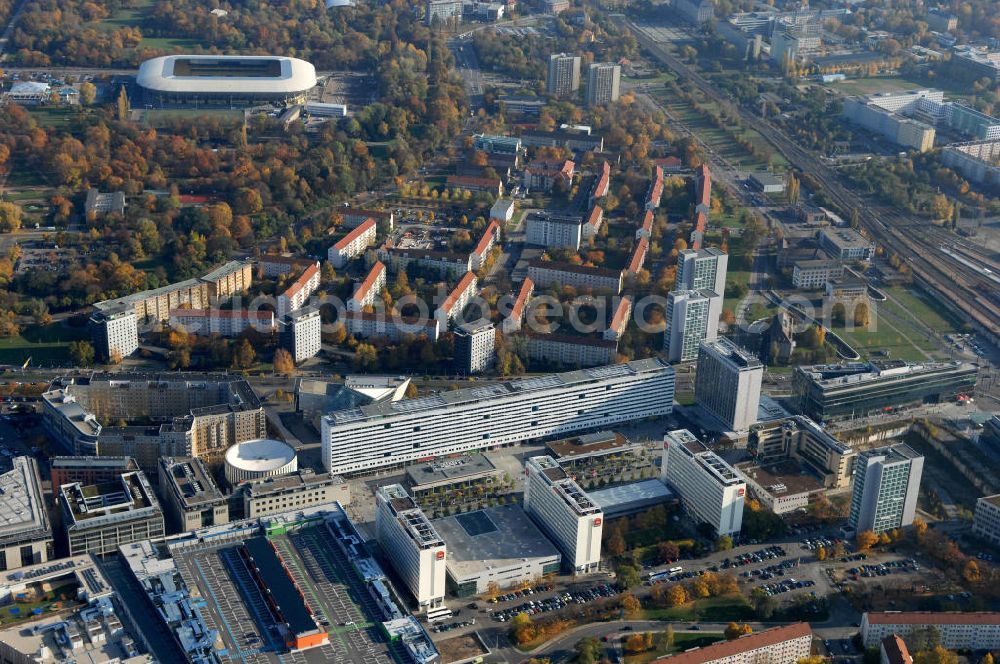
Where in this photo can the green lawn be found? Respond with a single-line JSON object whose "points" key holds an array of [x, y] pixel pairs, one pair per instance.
{"points": [[885, 338], [154, 117], [914, 302], [45, 345], [682, 641], [711, 609], [54, 116]]}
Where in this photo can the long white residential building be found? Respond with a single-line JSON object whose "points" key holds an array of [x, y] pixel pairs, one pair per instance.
{"points": [[979, 630], [391, 434], [710, 489], [564, 512], [412, 544], [353, 244]]}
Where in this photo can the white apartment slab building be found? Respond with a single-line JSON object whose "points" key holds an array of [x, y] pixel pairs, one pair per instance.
{"points": [[711, 490], [301, 333], [369, 289], [456, 301], [727, 384], [553, 231], [381, 435], [886, 484], [224, 322], [564, 512], [979, 630], [115, 332], [986, 519], [475, 346], [547, 273], [692, 317], [411, 543], [787, 644], [699, 269], [353, 244]]}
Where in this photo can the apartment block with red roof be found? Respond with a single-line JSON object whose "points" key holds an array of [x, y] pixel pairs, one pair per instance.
{"points": [[571, 351], [272, 265], [491, 186], [390, 326], [542, 174], [296, 295], [893, 650], [369, 289], [638, 258], [603, 182], [515, 319], [456, 300], [593, 223], [353, 244], [547, 273], [619, 319], [778, 645], [645, 226], [490, 237]]}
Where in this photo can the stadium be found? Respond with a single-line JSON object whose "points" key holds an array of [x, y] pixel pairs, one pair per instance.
{"points": [[225, 81]]}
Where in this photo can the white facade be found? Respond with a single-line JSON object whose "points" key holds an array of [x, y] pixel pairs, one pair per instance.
{"points": [[392, 327], [547, 273], [116, 333], [475, 346], [727, 384], [386, 434], [711, 490], [564, 512], [986, 520], [353, 244], [553, 232], [958, 631], [413, 546], [886, 483], [699, 269], [224, 322], [259, 458], [812, 274], [302, 333], [456, 301], [564, 74], [692, 317], [502, 210]]}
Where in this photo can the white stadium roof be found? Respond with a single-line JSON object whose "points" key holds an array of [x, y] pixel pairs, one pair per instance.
{"points": [[272, 74], [260, 455]]}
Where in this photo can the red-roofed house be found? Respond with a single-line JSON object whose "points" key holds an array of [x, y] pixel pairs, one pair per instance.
{"points": [[542, 174], [225, 322], [593, 224], [778, 645], [456, 301], [298, 293], [670, 164], [571, 351], [490, 237], [646, 227], [619, 320], [975, 630], [703, 186], [894, 651], [512, 323], [369, 289], [602, 184], [354, 217], [272, 265], [638, 257], [353, 244]]}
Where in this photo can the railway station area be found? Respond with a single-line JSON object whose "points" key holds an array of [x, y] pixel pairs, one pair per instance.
{"points": [[298, 587]]}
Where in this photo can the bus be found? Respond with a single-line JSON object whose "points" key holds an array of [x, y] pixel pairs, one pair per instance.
{"points": [[438, 614], [675, 570]]}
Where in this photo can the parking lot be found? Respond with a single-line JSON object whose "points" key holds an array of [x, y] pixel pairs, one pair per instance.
{"points": [[534, 607], [336, 596]]}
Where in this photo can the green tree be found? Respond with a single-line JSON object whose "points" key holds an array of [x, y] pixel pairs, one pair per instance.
{"points": [[82, 353]]}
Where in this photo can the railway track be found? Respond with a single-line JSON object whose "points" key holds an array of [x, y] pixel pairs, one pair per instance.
{"points": [[955, 284]]}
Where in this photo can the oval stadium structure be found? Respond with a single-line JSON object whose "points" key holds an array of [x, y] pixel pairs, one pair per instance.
{"points": [[258, 458], [225, 81]]}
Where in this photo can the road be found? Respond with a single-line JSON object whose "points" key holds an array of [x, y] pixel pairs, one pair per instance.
{"points": [[955, 284]]}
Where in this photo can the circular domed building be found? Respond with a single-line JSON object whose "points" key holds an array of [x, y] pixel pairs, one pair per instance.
{"points": [[262, 457]]}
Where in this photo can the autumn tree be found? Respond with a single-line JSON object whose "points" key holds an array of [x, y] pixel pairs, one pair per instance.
{"points": [[245, 355], [821, 553], [82, 353], [523, 628], [677, 595], [10, 217], [88, 93], [866, 540], [971, 572], [724, 543], [935, 655], [736, 630], [631, 604], [284, 363], [616, 542]]}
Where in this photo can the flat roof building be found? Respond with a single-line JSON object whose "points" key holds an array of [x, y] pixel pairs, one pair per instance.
{"points": [[301, 333], [475, 346], [226, 81], [986, 519], [299, 490], [100, 517], [710, 489], [88, 469], [191, 498], [564, 511], [886, 484], [727, 384], [699, 269], [801, 439], [692, 317], [399, 433], [25, 531], [976, 630], [846, 244], [412, 545], [858, 389], [627, 499], [498, 545]]}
